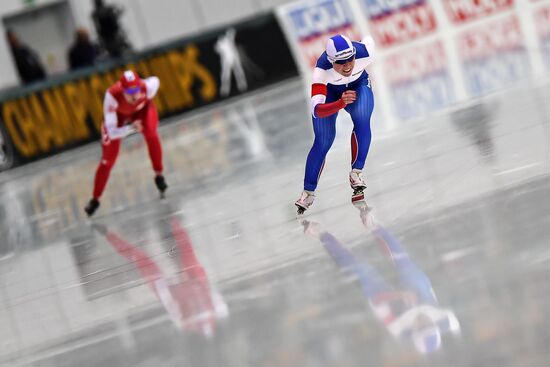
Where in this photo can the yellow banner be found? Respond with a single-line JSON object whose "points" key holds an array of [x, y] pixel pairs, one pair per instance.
{"points": [[69, 113]]}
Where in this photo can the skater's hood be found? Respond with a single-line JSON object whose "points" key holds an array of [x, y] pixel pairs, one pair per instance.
{"points": [[339, 47], [130, 82]]}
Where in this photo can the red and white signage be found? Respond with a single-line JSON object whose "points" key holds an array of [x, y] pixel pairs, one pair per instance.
{"points": [[397, 21], [462, 11], [542, 25], [311, 23], [493, 55], [542, 21], [419, 80], [415, 63], [495, 37]]}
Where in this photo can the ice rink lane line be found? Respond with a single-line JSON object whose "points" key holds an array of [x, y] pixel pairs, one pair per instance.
{"points": [[521, 168]]}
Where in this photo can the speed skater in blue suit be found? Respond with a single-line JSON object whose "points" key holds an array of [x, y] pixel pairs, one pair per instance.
{"points": [[340, 81]]}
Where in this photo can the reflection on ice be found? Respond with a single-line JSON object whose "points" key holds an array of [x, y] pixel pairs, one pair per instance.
{"points": [[190, 301], [408, 310]]}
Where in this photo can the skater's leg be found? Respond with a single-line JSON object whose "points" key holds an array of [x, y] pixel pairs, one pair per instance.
{"points": [[411, 276], [150, 125], [361, 112], [154, 147], [189, 261], [147, 268], [110, 149], [325, 131], [371, 282]]}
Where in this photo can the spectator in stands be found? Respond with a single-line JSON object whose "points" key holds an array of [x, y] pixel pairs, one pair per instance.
{"points": [[28, 64], [107, 23], [83, 52]]}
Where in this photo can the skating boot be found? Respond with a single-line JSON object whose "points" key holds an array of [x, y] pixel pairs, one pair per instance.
{"points": [[304, 201], [357, 184], [161, 185], [92, 206]]}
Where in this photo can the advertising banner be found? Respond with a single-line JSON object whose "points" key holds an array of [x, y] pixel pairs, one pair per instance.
{"points": [[419, 79], [463, 11], [493, 55], [542, 24], [309, 24], [67, 111], [399, 21]]}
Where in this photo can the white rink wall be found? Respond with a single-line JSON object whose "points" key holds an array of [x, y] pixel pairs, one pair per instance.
{"points": [[430, 60], [431, 55], [146, 22]]}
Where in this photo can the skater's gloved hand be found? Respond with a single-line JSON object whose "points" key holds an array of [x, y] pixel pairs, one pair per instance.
{"points": [[349, 97], [137, 125]]}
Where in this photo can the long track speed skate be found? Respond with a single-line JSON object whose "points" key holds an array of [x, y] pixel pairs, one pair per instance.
{"points": [[92, 206], [358, 194], [357, 184], [161, 185], [304, 202]]}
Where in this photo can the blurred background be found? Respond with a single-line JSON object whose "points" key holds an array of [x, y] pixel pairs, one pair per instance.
{"points": [[444, 265]]}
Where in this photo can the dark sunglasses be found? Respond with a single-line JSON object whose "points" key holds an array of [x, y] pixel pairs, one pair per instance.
{"points": [[342, 62]]}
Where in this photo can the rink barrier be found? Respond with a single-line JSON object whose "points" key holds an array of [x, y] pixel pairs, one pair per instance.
{"points": [[431, 55], [66, 111]]}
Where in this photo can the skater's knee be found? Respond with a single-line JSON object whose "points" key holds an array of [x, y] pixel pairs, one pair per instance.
{"points": [[361, 126], [107, 162], [325, 148], [322, 146], [151, 135]]}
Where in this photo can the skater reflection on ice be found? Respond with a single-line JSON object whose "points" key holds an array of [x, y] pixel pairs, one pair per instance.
{"points": [[475, 122], [245, 121], [190, 301], [409, 311]]}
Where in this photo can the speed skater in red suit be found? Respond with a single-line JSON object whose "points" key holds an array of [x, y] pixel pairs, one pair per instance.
{"points": [[128, 107]]}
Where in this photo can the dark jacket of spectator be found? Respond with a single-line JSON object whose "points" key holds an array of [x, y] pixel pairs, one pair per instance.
{"points": [[83, 52], [110, 33], [28, 64]]}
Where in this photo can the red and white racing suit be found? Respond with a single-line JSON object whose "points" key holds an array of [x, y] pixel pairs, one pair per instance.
{"points": [[119, 115]]}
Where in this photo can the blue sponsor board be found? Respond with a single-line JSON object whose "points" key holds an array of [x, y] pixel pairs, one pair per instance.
{"points": [[496, 72], [311, 21], [418, 97]]}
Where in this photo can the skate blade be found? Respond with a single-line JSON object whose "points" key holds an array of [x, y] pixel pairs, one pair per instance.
{"points": [[89, 213], [300, 209]]}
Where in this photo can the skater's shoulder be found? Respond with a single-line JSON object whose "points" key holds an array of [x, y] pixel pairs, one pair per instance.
{"points": [[115, 89], [360, 50], [323, 62]]}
